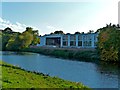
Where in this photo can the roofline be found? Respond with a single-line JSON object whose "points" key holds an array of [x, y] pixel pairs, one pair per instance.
{"points": [[67, 34]]}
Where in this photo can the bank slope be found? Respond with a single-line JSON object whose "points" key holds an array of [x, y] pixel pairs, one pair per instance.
{"points": [[15, 77]]}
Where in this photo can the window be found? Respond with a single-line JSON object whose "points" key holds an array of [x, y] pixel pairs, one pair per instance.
{"points": [[65, 43], [72, 37], [65, 37], [84, 43], [95, 38], [79, 37], [72, 43], [89, 43], [95, 43], [89, 37], [79, 43]]}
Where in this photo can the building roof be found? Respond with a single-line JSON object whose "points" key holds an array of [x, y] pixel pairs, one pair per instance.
{"points": [[67, 34]]}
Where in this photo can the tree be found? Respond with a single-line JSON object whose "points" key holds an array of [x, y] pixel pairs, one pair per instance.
{"points": [[90, 31], [27, 39], [14, 43], [5, 38], [109, 43], [59, 32], [77, 32], [51, 33], [7, 30], [35, 34], [17, 41]]}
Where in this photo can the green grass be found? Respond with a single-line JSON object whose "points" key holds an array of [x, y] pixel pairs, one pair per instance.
{"points": [[15, 77], [75, 54]]}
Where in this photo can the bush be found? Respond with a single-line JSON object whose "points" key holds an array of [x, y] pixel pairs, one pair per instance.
{"points": [[109, 44]]}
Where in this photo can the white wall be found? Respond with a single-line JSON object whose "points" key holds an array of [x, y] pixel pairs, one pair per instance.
{"points": [[42, 41]]}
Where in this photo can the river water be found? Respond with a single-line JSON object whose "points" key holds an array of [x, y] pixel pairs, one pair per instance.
{"points": [[100, 75]]}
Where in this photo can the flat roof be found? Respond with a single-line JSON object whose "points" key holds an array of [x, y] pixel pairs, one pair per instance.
{"points": [[67, 34]]}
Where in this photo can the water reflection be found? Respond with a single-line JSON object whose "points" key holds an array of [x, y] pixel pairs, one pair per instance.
{"points": [[105, 68], [101, 75], [16, 53]]}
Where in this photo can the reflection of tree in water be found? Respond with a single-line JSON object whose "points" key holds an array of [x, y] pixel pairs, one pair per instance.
{"points": [[108, 68], [16, 53], [119, 76]]}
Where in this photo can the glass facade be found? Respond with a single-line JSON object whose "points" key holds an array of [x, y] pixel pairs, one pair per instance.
{"points": [[69, 40], [72, 43], [53, 41], [79, 43], [65, 43], [65, 37], [79, 37], [73, 37]]}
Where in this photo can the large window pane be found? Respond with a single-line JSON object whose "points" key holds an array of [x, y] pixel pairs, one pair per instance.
{"points": [[65, 43], [72, 43], [79, 43]]}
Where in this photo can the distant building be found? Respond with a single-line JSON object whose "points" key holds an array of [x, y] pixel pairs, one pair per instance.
{"points": [[69, 40]]}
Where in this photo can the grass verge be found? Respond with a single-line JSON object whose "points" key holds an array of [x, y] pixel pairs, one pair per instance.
{"points": [[15, 77], [73, 54]]}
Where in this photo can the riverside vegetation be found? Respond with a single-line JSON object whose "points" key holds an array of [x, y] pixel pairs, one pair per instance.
{"points": [[108, 49], [108, 46], [73, 54], [109, 43], [15, 77]]}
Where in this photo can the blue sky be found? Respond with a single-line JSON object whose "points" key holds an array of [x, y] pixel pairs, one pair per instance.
{"points": [[51, 16]]}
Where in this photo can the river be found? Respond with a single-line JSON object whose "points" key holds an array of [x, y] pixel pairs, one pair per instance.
{"points": [[100, 75]]}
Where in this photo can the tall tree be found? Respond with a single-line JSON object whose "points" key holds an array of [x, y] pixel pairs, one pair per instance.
{"points": [[35, 34], [7, 30], [14, 43], [109, 43], [19, 41]]}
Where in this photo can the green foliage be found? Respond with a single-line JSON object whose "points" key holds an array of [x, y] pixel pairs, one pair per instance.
{"points": [[15, 77], [8, 30], [109, 43], [26, 38], [34, 38], [77, 32], [86, 55], [5, 38], [16, 41], [58, 32]]}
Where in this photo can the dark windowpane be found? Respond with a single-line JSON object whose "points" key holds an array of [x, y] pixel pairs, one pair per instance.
{"points": [[79, 43], [72, 43], [65, 43], [53, 41]]}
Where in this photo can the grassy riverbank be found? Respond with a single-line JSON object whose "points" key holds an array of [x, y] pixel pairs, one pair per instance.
{"points": [[15, 77], [89, 55]]}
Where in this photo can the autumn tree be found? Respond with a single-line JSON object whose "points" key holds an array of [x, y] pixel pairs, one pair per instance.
{"points": [[109, 43], [35, 35], [19, 41]]}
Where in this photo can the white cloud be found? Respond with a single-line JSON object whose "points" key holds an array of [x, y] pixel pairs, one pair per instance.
{"points": [[18, 27], [1, 20]]}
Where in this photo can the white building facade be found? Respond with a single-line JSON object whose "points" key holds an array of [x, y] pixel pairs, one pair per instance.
{"points": [[88, 40]]}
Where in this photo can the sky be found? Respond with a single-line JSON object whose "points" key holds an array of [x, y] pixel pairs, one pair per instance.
{"points": [[67, 16]]}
